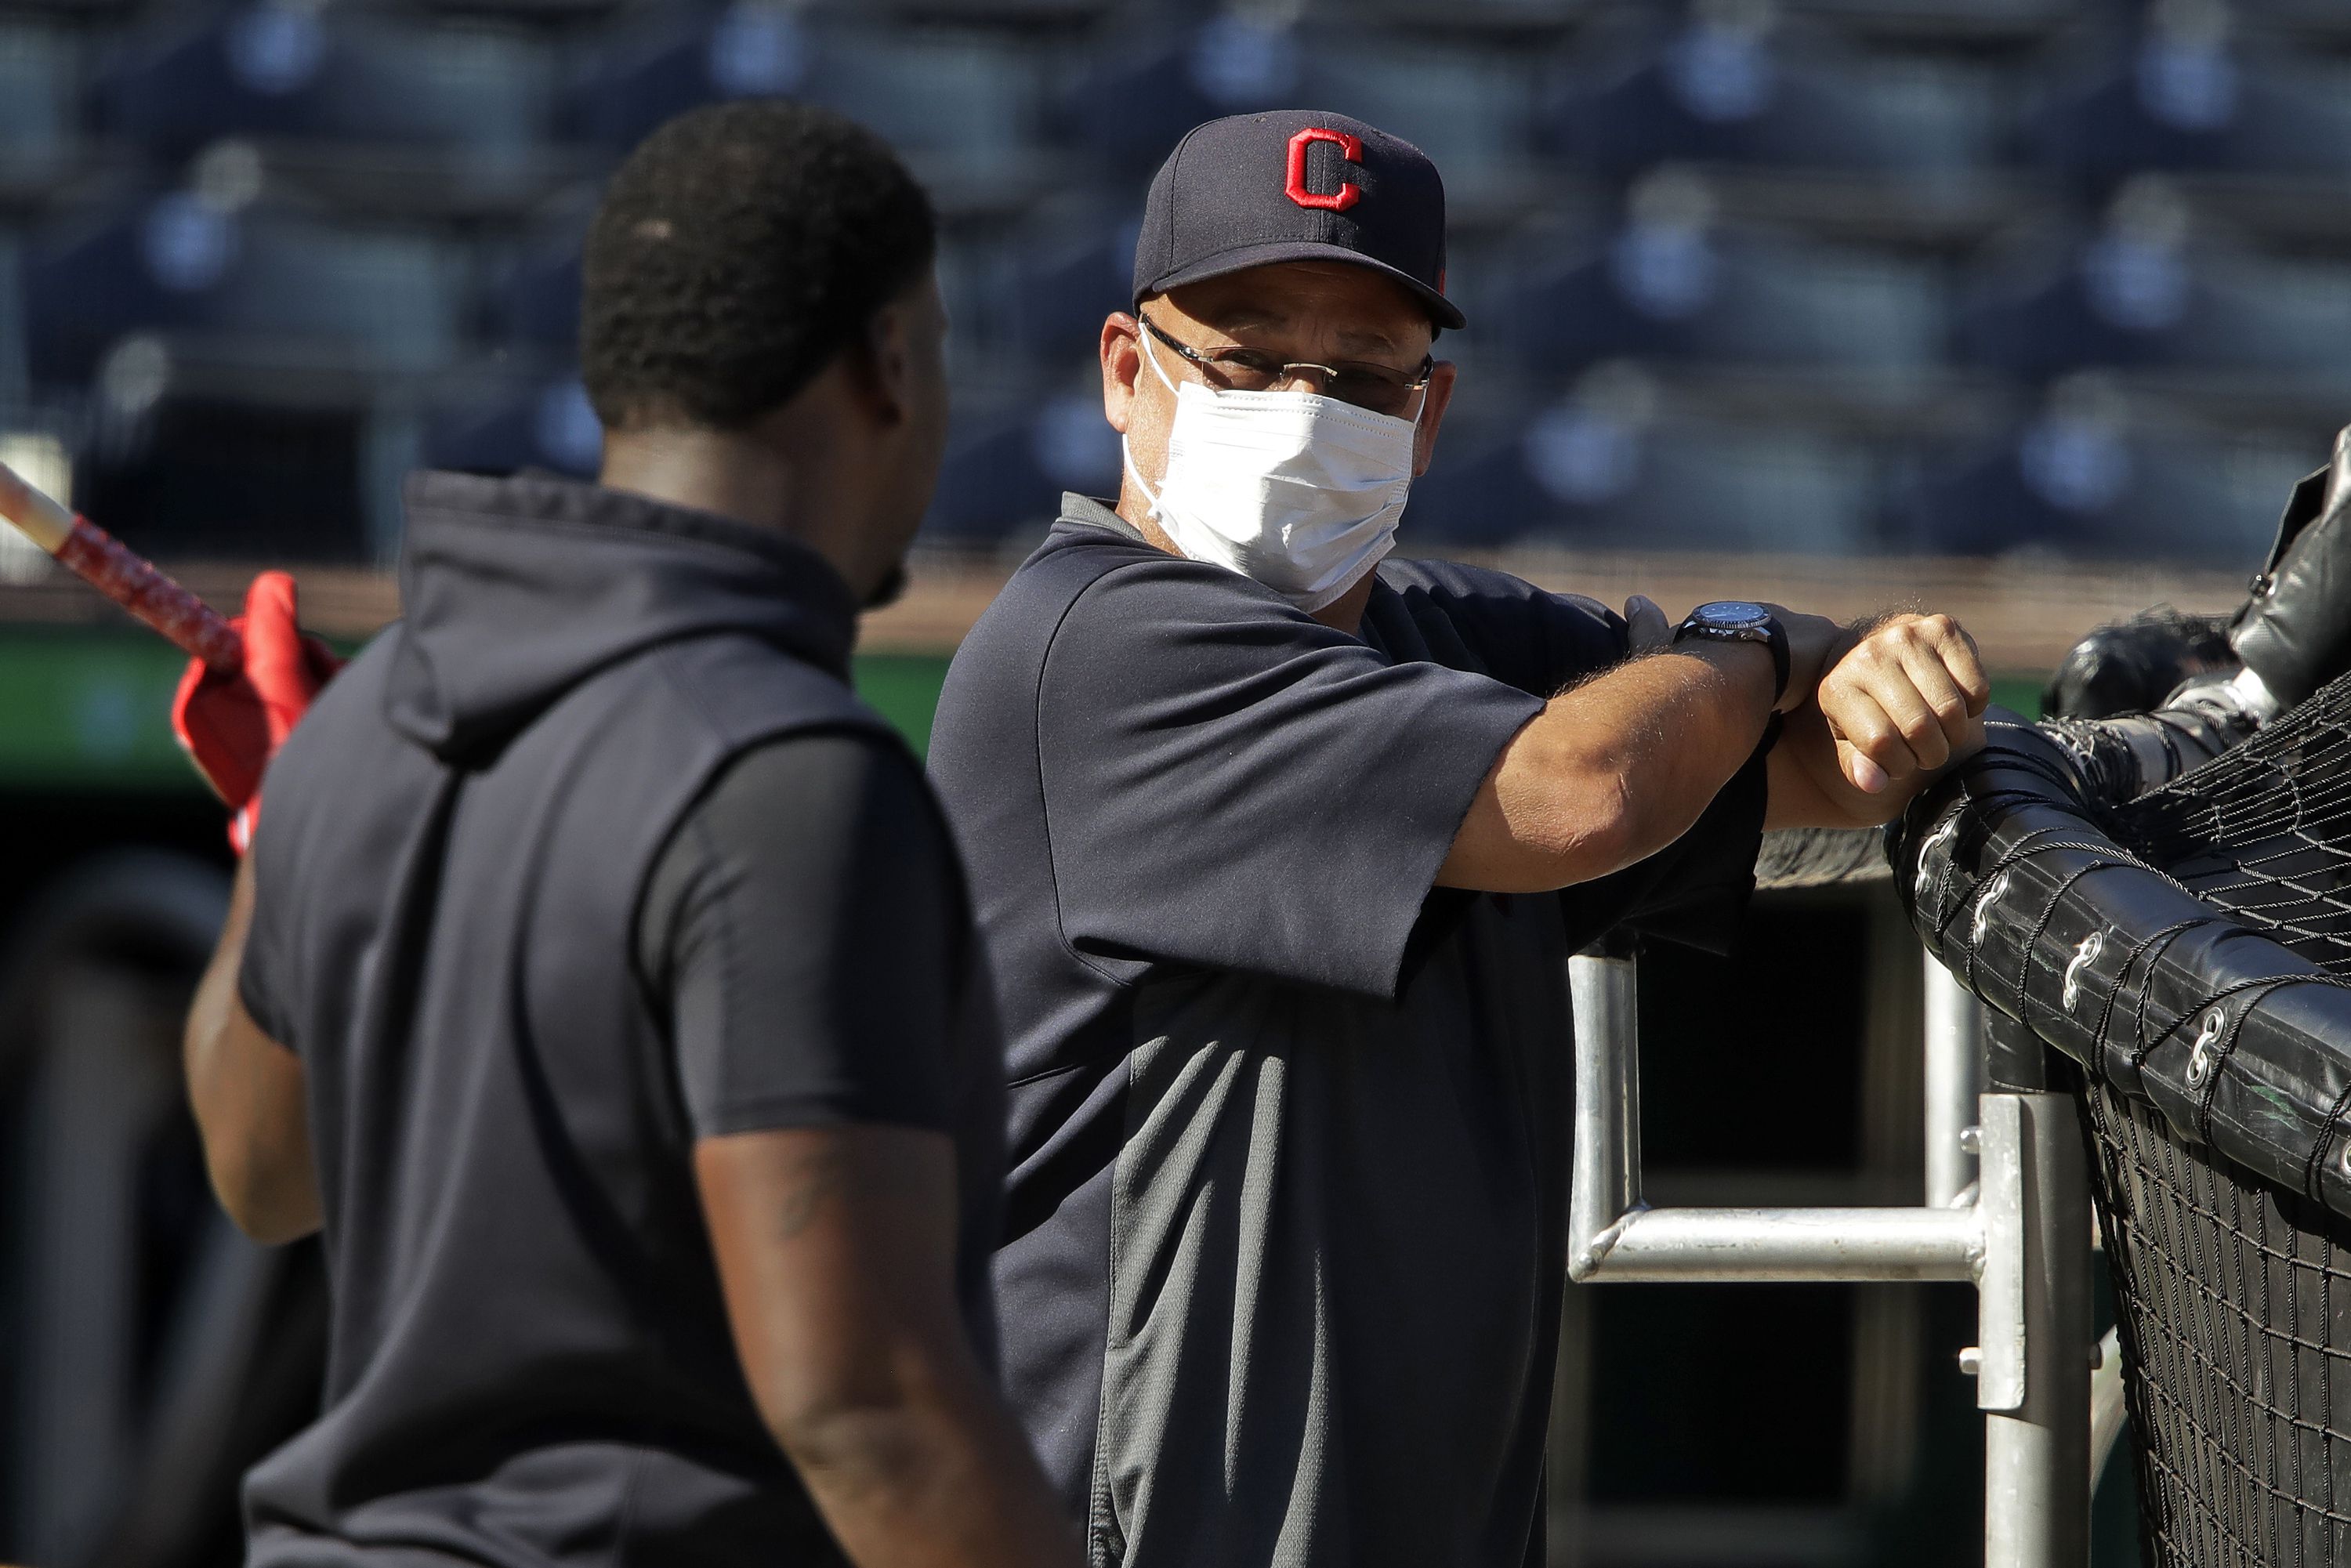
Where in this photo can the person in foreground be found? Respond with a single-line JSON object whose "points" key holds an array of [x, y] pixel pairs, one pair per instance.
{"points": [[600, 980], [1280, 847]]}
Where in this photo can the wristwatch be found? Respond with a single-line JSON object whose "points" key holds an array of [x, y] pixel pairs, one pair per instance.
{"points": [[1737, 621]]}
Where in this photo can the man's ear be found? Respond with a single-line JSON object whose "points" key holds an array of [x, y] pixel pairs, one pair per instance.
{"points": [[1432, 414], [888, 369], [1122, 362]]}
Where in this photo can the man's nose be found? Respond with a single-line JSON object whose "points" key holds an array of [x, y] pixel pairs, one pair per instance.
{"points": [[1304, 376]]}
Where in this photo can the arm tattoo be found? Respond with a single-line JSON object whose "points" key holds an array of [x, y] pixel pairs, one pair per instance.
{"points": [[816, 1179]]}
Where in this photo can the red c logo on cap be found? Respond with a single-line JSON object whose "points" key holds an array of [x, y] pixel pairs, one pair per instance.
{"points": [[1351, 148]]}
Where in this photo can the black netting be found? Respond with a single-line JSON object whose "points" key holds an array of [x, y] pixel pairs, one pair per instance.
{"points": [[2234, 1295], [2237, 1358]]}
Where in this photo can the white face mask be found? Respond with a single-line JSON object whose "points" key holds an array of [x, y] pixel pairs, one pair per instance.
{"points": [[1298, 491]]}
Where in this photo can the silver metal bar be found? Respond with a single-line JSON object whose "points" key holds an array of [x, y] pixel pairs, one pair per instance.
{"points": [[1954, 1071], [2108, 1415], [2023, 1239], [1999, 1293], [1607, 1172], [1785, 1244], [2037, 1457]]}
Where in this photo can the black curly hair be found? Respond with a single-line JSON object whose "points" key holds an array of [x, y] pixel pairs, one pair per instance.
{"points": [[737, 251]]}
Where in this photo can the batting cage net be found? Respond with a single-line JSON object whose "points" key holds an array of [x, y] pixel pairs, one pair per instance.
{"points": [[2229, 1289], [2189, 952]]}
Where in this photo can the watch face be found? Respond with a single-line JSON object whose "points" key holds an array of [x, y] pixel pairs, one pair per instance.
{"points": [[1731, 613]]}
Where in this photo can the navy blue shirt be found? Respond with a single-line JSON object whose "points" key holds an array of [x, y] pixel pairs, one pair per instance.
{"points": [[1285, 1229]]}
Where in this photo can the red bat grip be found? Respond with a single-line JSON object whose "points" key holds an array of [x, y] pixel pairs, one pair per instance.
{"points": [[131, 580]]}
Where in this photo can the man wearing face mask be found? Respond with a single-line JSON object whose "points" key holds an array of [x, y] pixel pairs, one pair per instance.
{"points": [[1281, 846]]}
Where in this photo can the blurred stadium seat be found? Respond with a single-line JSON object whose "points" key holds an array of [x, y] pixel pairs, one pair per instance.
{"points": [[1621, 464], [1133, 98], [2142, 292], [14, 378], [2098, 475], [1470, 109], [532, 296], [282, 284], [282, 69], [1730, 85], [970, 101], [2187, 94], [514, 423], [1672, 284], [1011, 457], [1072, 265], [39, 107]]}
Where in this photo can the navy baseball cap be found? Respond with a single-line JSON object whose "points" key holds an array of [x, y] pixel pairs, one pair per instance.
{"points": [[1293, 184]]}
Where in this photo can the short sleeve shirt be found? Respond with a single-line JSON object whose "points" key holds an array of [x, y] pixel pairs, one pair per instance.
{"points": [[1286, 1222], [796, 930]]}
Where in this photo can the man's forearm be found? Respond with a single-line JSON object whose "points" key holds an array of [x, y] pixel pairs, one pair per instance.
{"points": [[1615, 769], [939, 1478], [247, 1093]]}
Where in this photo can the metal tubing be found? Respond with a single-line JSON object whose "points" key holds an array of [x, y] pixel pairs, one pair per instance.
{"points": [[2037, 1457], [1607, 1173], [1787, 1244], [2108, 1411], [1955, 1056]]}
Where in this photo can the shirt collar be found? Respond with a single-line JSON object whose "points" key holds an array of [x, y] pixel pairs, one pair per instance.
{"points": [[1091, 513]]}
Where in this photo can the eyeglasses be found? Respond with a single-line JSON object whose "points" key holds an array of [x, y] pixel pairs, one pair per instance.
{"points": [[1379, 388]]}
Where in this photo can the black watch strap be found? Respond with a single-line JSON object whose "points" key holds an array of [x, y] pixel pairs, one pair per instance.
{"points": [[1732, 621]]}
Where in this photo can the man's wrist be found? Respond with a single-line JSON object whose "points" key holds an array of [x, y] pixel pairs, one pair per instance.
{"points": [[1751, 664], [1742, 621]]}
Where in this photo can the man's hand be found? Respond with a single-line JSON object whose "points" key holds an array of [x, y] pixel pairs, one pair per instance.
{"points": [[1905, 700], [231, 724]]}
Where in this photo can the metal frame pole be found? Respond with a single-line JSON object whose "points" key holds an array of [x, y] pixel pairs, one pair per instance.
{"points": [[2020, 1233], [1955, 1077], [2037, 1454]]}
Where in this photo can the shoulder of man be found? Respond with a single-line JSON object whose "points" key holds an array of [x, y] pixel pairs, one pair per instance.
{"points": [[739, 689], [1099, 578]]}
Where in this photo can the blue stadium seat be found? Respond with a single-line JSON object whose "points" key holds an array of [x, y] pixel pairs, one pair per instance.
{"points": [[2141, 295], [280, 70], [1466, 107], [283, 285], [1470, 109], [1066, 270], [1007, 466], [40, 72], [1485, 20], [500, 427], [1140, 92], [2100, 483], [2196, 100], [532, 299], [1602, 469], [1715, 90], [1669, 285], [970, 98], [14, 378]]}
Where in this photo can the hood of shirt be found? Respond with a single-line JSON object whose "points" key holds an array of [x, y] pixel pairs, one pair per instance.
{"points": [[513, 590]]}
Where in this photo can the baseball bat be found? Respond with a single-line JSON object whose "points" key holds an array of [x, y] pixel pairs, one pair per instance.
{"points": [[121, 574]]}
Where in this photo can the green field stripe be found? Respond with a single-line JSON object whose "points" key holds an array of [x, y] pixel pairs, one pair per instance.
{"points": [[89, 707], [2018, 693]]}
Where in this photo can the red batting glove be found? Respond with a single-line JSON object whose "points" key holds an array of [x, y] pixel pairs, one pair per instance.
{"points": [[231, 724]]}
